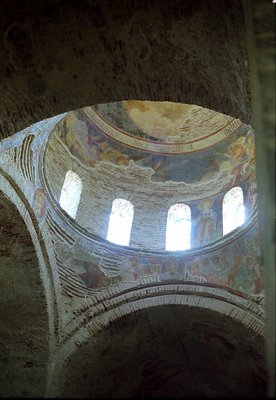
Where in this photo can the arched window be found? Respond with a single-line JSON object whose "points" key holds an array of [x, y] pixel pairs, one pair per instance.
{"points": [[178, 233], [70, 193], [120, 222], [233, 212]]}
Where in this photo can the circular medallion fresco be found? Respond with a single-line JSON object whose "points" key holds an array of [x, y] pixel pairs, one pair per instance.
{"points": [[162, 127]]}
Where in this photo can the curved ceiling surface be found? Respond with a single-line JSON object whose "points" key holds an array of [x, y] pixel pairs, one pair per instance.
{"points": [[171, 348], [94, 138], [162, 127], [117, 151]]}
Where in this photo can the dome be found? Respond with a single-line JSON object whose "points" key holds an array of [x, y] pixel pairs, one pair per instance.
{"points": [[160, 161]]}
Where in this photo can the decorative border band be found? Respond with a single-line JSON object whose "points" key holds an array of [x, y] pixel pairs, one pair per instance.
{"points": [[155, 147]]}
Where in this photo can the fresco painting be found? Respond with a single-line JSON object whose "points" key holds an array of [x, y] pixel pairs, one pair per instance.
{"points": [[39, 203], [252, 193], [93, 277], [236, 265], [232, 266], [242, 271], [206, 222], [233, 157], [163, 121], [81, 260], [241, 160]]}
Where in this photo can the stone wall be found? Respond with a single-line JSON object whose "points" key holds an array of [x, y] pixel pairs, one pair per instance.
{"points": [[24, 329], [59, 57]]}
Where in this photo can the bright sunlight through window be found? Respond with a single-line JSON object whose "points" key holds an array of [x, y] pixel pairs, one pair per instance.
{"points": [[120, 222], [233, 211], [178, 234], [70, 193]]}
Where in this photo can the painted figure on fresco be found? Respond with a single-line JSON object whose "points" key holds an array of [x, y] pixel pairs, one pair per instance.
{"points": [[250, 148], [246, 274], [206, 222], [244, 281], [170, 268], [231, 280], [39, 203], [240, 158], [86, 143], [72, 132], [252, 193], [238, 161], [212, 269], [218, 268], [254, 264], [92, 277]]}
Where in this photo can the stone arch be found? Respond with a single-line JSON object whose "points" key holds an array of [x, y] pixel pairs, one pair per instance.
{"points": [[150, 340], [231, 305], [27, 292]]}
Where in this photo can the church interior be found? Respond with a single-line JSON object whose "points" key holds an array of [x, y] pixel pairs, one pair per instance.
{"points": [[137, 199]]}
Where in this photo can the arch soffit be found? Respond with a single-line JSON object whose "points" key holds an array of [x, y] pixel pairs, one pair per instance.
{"points": [[48, 277], [244, 309]]}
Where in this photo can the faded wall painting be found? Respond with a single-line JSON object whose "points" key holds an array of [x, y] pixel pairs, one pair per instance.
{"points": [[232, 157], [39, 203], [251, 193], [206, 222], [163, 121], [236, 265]]}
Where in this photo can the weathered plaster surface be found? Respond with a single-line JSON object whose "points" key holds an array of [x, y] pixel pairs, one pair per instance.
{"points": [[59, 57], [169, 351], [24, 328], [161, 126]]}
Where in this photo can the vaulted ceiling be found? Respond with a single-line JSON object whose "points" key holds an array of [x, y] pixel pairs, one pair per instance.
{"points": [[64, 56]]}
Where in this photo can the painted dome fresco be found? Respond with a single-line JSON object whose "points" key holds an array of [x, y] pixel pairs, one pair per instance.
{"points": [[153, 155], [167, 123]]}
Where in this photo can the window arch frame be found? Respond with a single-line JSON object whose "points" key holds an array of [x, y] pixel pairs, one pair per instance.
{"points": [[70, 194], [172, 235], [225, 228], [122, 222]]}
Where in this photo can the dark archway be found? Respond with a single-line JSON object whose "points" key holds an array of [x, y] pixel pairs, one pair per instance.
{"points": [[24, 328], [170, 351]]}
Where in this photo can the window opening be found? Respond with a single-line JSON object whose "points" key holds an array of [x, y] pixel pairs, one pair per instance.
{"points": [[70, 193], [178, 233], [120, 222], [233, 211]]}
